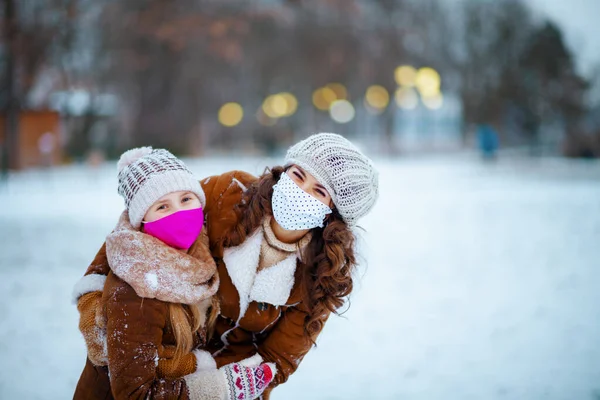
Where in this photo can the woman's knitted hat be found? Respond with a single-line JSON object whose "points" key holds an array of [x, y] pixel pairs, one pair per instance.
{"points": [[146, 175], [348, 175]]}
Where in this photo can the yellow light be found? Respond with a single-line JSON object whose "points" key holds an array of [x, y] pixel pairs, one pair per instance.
{"points": [[433, 102], [274, 106], [371, 110], [428, 82], [342, 111], [377, 97], [405, 75], [429, 91], [323, 97], [230, 114], [291, 102], [407, 98], [340, 91], [279, 105]]}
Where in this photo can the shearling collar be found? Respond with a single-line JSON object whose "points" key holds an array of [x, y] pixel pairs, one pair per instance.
{"points": [[271, 285]]}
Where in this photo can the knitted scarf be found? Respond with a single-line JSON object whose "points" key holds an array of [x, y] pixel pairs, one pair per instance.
{"points": [[156, 270]]}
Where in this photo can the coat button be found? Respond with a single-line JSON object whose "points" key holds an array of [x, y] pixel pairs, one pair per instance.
{"points": [[262, 306]]}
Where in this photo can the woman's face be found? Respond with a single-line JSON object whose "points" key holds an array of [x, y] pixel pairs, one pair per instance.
{"points": [[171, 203], [309, 184]]}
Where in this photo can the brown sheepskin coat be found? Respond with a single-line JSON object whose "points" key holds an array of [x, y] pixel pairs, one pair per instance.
{"points": [[136, 324], [261, 313]]}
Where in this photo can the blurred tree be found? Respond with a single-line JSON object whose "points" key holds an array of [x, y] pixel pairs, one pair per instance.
{"points": [[37, 37], [516, 69]]}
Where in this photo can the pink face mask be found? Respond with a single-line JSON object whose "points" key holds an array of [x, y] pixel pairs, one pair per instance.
{"points": [[179, 230]]}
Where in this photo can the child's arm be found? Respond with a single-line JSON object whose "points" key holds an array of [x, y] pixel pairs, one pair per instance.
{"points": [[87, 294], [134, 328], [197, 360]]}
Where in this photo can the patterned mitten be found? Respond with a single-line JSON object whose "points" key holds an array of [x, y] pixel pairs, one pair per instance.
{"points": [[235, 381], [246, 383]]}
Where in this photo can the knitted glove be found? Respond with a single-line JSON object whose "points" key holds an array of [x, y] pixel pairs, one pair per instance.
{"points": [[93, 333], [235, 381]]}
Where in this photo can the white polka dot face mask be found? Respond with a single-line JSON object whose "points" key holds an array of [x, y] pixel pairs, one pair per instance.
{"points": [[294, 209]]}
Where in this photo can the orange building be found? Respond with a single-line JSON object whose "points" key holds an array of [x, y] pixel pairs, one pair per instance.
{"points": [[39, 139]]}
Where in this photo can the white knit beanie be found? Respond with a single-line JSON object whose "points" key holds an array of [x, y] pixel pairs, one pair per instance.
{"points": [[348, 175], [146, 175]]}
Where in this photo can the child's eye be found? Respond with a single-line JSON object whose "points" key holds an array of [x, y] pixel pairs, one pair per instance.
{"points": [[162, 207], [321, 192], [186, 199], [298, 175]]}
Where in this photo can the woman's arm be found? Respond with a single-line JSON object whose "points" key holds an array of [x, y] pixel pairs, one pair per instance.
{"points": [[287, 344]]}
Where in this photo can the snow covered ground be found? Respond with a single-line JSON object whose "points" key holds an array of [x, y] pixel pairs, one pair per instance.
{"points": [[482, 281]]}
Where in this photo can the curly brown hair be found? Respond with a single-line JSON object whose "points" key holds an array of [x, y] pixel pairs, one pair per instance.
{"points": [[328, 261]]}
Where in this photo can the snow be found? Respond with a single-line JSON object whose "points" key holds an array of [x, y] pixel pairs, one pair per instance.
{"points": [[152, 280], [481, 282]]}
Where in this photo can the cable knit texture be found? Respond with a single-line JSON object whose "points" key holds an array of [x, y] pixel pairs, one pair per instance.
{"points": [[348, 175]]}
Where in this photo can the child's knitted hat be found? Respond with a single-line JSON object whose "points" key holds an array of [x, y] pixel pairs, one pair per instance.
{"points": [[146, 175], [348, 175]]}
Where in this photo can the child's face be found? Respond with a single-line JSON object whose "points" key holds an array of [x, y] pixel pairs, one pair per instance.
{"points": [[171, 203]]}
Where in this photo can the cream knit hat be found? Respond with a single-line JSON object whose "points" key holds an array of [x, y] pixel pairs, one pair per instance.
{"points": [[348, 175], [146, 175]]}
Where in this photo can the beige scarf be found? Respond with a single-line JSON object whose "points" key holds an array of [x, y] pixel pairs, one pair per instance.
{"points": [[156, 270]]}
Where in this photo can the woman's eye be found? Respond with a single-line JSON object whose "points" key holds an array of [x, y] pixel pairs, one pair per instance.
{"points": [[320, 192], [163, 207], [298, 175], [186, 199]]}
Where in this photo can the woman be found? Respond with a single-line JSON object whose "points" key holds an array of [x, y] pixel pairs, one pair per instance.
{"points": [[284, 250]]}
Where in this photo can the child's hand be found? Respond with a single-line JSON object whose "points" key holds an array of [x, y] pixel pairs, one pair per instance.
{"points": [[169, 367], [94, 334]]}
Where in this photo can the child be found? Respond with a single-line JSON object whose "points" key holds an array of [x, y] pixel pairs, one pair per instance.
{"points": [[158, 299]]}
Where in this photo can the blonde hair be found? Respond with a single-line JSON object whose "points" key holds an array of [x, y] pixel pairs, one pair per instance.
{"points": [[184, 325]]}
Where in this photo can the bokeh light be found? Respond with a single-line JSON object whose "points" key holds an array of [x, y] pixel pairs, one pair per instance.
{"points": [[434, 102], [341, 93], [428, 82], [405, 75], [323, 97], [230, 114], [377, 98], [407, 98], [342, 111], [291, 103], [280, 105]]}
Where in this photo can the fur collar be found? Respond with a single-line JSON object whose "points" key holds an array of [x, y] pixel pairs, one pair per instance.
{"points": [[156, 270], [271, 285]]}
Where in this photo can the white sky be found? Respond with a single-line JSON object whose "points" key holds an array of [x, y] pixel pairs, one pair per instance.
{"points": [[579, 20]]}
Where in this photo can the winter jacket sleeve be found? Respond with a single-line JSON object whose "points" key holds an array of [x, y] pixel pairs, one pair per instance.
{"points": [[134, 329], [287, 344], [223, 192], [87, 294], [94, 335]]}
